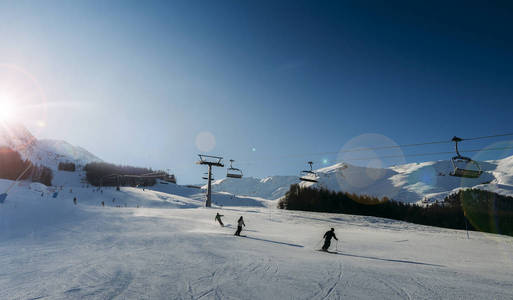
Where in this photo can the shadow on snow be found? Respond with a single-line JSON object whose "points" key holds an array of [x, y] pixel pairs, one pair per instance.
{"points": [[390, 260], [274, 242]]}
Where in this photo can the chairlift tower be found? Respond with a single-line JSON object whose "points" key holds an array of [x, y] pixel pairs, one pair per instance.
{"points": [[210, 161]]}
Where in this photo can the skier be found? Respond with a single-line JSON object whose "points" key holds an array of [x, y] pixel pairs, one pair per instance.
{"points": [[75, 200], [218, 219], [327, 239], [240, 223], [103, 204]]}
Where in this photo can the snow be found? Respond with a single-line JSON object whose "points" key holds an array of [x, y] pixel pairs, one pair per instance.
{"points": [[410, 183], [161, 243], [171, 248], [42, 152], [51, 152], [272, 187]]}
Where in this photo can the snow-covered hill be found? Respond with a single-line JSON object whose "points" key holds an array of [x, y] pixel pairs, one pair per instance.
{"points": [[429, 181], [43, 152], [51, 152], [272, 187]]}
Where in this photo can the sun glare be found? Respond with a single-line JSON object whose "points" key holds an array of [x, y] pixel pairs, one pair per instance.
{"points": [[7, 110]]}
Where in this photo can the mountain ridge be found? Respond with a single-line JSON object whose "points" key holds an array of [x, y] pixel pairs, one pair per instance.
{"points": [[47, 152]]}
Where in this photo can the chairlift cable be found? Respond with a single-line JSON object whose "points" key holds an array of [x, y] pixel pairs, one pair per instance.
{"points": [[426, 154], [387, 147]]}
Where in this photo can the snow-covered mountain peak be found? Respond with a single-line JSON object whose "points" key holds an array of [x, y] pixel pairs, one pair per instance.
{"points": [[15, 136], [44, 152]]}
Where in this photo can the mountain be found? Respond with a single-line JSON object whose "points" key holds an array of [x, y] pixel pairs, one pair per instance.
{"points": [[44, 152], [51, 152], [16, 137], [410, 183]]}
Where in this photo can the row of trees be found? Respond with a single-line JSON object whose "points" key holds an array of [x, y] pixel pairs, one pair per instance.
{"points": [[13, 166], [97, 170], [485, 211], [67, 166]]}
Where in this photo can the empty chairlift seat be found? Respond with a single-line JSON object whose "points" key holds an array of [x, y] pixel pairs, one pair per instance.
{"points": [[464, 166], [232, 172], [308, 175]]}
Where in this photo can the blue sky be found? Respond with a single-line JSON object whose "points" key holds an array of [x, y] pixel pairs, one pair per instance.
{"points": [[137, 82]]}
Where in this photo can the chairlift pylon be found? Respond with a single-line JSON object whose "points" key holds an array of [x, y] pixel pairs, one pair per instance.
{"points": [[459, 159], [233, 172], [205, 177], [308, 175]]}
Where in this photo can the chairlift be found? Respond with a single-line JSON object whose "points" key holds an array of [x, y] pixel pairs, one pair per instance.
{"points": [[308, 175], [233, 172], [461, 164]]}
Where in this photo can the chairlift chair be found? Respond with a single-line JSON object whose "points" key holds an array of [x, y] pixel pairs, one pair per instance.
{"points": [[233, 172], [308, 175], [458, 160]]}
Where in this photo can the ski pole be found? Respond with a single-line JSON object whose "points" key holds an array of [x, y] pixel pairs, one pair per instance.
{"points": [[319, 242]]}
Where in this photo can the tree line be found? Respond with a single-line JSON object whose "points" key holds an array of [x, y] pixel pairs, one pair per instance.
{"points": [[13, 166], [67, 166], [96, 173], [473, 209]]}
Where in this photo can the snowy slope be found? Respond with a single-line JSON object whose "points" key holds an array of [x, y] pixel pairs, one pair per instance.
{"points": [[172, 249], [51, 152], [272, 187], [44, 152]]}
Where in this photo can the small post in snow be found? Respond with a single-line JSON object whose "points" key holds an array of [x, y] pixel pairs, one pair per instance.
{"points": [[466, 225]]}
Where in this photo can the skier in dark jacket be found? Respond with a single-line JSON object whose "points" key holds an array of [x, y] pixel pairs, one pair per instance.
{"points": [[218, 219], [240, 223], [327, 239]]}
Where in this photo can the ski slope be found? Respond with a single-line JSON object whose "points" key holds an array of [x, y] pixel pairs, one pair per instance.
{"points": [[171, 248]]}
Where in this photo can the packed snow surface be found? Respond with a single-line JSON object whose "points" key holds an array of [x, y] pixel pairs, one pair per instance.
{"points": [[165, 245]]}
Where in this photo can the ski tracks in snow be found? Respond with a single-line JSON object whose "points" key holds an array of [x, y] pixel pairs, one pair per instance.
{"points": [[329, 290], [399, 292], [228, 275]]}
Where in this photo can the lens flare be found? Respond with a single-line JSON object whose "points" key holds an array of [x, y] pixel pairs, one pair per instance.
{"points": [[205, 141], [366, 167]]}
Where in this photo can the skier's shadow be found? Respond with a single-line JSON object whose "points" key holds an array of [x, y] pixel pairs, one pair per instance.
{"points": [[274, 242], [230, 226], [391, 260]]}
